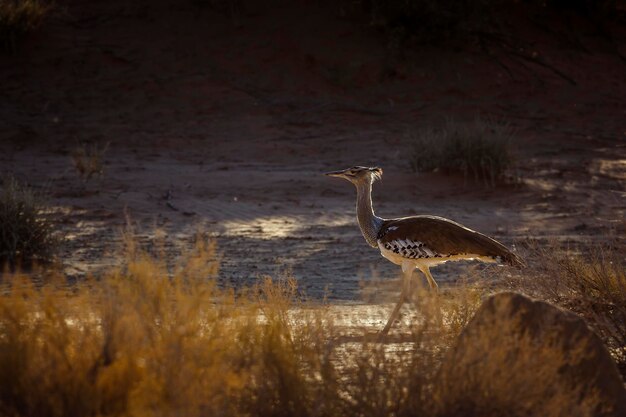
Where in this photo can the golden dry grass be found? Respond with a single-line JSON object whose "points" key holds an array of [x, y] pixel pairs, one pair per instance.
{"points": [[159, 338], [151, 338]]}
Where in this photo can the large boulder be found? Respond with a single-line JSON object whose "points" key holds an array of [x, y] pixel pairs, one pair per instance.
{"points": [[520, 357]]}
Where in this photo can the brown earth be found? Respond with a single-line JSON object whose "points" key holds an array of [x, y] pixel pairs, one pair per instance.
{"points": [[226, 124]]}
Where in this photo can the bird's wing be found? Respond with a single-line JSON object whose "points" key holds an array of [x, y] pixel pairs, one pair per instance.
{"points": [[431, 236]]}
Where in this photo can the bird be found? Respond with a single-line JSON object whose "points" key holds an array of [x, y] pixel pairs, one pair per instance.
{"points": [[418, 242]]}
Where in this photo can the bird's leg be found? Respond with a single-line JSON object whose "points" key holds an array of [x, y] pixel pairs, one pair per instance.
{"points": [[405, 294], [416, 285], [394, 314], [431, 280], [434, 295]]}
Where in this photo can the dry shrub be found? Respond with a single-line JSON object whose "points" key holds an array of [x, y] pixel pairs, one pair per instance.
{"points": [[19, 17], [153, 339], [26, 230], [599, 11], [88, 159], [480, 150], [591, 284], [396, 378], [431, 21], [463, 23], [156, 339]]}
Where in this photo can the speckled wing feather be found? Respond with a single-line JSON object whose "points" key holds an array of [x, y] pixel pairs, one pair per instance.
{"points": [[431, 236]]}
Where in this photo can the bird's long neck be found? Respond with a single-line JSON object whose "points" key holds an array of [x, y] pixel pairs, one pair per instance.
{"points": [[369, 223]]}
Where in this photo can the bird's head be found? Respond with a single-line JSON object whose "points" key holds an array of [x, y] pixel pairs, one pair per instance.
{"points": [[358, 175]]}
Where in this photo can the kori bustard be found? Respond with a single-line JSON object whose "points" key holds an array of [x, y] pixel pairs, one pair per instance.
{"points": [[417, 242]]}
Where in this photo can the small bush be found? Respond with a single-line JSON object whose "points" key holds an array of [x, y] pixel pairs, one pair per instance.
{"points": [[408, 22], [480, 150], [26, 231], [19, 17], [429, 21], [592, 8], [591, 284], [88, 160]]}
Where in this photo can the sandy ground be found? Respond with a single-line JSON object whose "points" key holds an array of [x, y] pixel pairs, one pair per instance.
{"points": [[225, 127]]}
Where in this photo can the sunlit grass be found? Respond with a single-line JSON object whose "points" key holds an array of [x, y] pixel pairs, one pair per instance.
{"points": [[154, 338], [161, 337]]}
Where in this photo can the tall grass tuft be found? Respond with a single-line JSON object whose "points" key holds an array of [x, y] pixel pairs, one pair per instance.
{"points": [[479, 150], [19, 17], [26, 230], [88, 160]]}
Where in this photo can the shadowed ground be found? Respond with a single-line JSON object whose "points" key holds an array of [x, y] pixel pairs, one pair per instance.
{"points": [[227, 128]]}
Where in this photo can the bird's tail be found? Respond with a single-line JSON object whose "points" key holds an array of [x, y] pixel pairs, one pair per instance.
{"points": [[500, 252], [513, 259]]}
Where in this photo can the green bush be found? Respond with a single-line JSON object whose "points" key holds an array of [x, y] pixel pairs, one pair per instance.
{"points": [[19, 17], [480, 150], [26, 232]]}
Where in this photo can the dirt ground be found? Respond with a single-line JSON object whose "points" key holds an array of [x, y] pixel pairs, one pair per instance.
{"points": [[225, 125]]}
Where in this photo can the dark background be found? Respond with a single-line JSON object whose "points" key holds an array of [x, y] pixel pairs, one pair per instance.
{"points": [[221, 116]]}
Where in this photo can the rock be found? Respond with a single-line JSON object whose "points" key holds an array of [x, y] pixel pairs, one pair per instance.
{"points": [[520, 357]]}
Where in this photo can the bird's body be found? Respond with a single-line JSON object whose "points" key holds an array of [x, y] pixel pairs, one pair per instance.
{"points": [[432, 240], [420, 254], [419, 241]]}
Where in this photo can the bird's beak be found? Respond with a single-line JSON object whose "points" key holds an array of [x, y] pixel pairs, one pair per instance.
{"points": [[338, 174]]}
